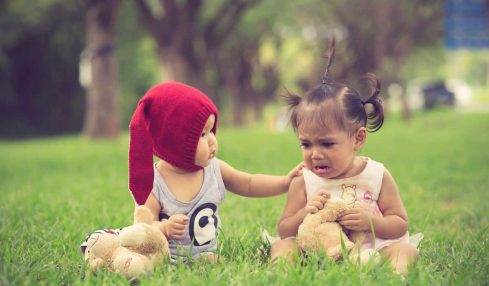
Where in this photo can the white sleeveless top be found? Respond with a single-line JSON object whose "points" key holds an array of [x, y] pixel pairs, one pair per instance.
{"points": [[362, 189]]}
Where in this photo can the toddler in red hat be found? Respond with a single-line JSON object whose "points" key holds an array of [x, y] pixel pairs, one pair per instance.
{"points": [[177, 123]]}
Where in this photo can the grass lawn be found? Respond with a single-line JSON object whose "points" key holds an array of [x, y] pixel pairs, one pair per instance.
{"points": [[54, 191]]}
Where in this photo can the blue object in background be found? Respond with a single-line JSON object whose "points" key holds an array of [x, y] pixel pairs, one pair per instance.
{"points": [[466, 24], [436, 94]]}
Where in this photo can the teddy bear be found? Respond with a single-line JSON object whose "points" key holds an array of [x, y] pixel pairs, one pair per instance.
{"points": [[320, 231], [134, 251]]}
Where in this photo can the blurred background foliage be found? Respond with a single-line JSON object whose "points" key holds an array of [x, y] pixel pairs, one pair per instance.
{"points": [[243, 53]]}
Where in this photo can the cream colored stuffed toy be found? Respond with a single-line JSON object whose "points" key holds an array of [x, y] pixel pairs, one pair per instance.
{"points": [[133, 252], [321, 232]]}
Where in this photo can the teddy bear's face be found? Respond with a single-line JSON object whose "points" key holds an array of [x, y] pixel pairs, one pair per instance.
{"points": [[102, 245]]}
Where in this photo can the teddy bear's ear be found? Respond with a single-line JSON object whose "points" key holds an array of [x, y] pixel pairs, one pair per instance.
{"points": [[142, 214]]}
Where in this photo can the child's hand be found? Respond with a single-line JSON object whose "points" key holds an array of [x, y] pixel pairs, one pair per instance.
{"points": [[317, 201], [297, 171], [357, 219], [175, 226]]}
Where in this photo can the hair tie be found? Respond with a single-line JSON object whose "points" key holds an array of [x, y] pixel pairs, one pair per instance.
{"points": [[368, 108]]}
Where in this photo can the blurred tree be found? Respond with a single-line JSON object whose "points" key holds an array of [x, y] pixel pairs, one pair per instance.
{"points": [[239, 52], [379, 35], [101, 80], [396, 30], [247, 81], [200, 44], [39, 47], [138, 68]]}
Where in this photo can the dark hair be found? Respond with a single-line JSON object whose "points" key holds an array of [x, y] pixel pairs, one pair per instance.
{"points": [[336, 104]]}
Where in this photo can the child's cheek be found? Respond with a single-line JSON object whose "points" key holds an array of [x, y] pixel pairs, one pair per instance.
{"points": [[308, 164]]}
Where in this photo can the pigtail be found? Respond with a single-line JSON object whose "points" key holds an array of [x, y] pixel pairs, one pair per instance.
{"points": [[292, 101], [373, 105], [330, 56]]}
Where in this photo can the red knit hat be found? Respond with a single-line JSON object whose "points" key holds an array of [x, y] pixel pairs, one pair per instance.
{"points": [[167, 123]]}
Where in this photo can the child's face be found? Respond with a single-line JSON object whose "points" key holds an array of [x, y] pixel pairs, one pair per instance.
{"points": [[329, 153], [207, 146]]}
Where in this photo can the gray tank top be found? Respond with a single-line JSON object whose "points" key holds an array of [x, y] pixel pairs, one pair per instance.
{"points": [[201, 231]]}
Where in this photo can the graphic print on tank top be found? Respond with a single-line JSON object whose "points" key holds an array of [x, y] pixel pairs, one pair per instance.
{"points": [[203, 224], [349, 195]]}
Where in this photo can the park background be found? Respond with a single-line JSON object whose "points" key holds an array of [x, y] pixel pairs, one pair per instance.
{"points": [[71, 73]]}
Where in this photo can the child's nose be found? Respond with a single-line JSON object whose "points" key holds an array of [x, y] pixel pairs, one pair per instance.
{"points": [[317, 154], [212, 139]]}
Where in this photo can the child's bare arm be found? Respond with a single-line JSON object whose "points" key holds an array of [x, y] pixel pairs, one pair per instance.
{"points": [[255, 185], [394, 221], [173, 227], [154, 206], [297, 207]]}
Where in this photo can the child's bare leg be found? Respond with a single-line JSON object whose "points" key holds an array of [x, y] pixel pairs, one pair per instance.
{"points": [[284, 248], [401, 255], [211, 257]]}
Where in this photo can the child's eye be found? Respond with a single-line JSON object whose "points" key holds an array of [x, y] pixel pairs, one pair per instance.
{"points": [[305, 145], [328, 144], [203, 134]]}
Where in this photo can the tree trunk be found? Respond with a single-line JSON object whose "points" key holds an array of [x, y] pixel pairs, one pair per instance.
{"points": [[171, 64], [102, 110], [237, 106], [194, 49]]}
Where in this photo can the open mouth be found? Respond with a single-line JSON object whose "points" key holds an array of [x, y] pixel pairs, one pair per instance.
{"points": [[321, 169]]}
